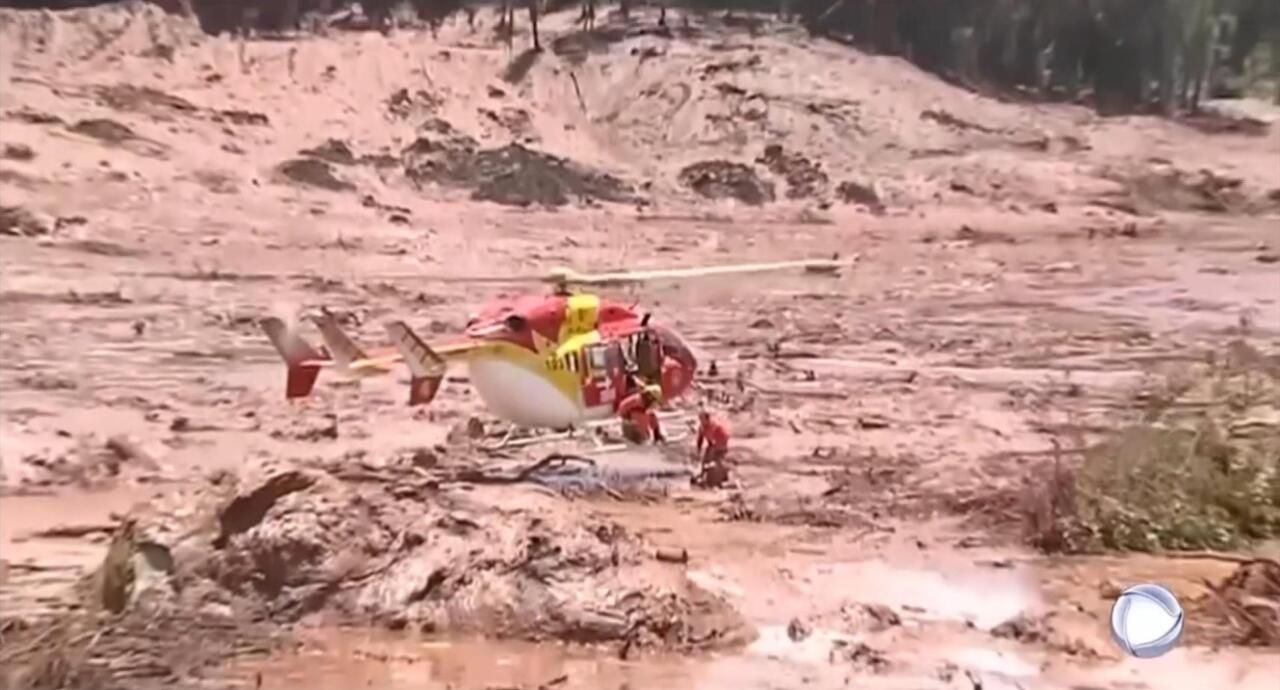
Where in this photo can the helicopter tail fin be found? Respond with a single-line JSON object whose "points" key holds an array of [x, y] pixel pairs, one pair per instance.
{"points": [[426, 367], [344, 349], [302, 359]]}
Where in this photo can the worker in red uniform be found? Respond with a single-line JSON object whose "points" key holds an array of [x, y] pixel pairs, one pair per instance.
{"points": [[712, 448], [639, 415]]}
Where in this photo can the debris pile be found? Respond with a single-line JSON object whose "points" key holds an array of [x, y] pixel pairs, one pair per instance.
{"points": [[312, 172], [397, 546], [1165, 187], [720, 179], [804, 178], [851, 192], [1248, 604], [332, 150], [17, 152], [87, 461], [402, 105], [806, 511], [17, 221], [511, 175], [104, 129], [131, 98]]}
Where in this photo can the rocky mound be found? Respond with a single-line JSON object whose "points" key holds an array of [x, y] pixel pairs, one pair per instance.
{"points": [[393, 546]]}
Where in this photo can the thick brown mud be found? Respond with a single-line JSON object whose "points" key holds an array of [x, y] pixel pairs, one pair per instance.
{"points": [[1027, 276]]}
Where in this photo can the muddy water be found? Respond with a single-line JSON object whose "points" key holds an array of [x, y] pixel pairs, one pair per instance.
{"points": [[35, 571], [341, 660], [23, 516], [945, 611], [338, 660], [959, 592]]}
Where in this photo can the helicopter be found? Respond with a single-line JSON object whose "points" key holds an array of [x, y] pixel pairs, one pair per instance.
{"points": [[539, 361]]}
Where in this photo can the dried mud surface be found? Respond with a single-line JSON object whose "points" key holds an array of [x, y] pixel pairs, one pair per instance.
{"points": [[1025, 273]]}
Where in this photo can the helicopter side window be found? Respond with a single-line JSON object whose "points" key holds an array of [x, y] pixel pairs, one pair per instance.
{"points": [[615, 358], [597, 358]]}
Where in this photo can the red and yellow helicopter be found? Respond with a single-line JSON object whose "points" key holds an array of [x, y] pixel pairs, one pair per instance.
{"points": [[555, 360]]}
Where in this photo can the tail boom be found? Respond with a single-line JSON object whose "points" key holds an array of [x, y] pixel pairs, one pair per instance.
{"points": [[426, 365]]}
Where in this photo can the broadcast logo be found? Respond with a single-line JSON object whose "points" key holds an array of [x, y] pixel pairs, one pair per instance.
{"points": [[1146, 621]]}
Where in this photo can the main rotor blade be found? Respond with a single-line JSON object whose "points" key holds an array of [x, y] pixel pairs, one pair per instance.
{"points": [[560, 276], [569, 277]]}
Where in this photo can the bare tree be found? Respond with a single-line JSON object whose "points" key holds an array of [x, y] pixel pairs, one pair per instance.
{"points": [[1275, 62], [533, 22], [1200, 34], [588, 17], [507, 22]]}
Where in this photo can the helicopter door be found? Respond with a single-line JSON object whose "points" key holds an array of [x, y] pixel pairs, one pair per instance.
{"points": [[648, 355]]}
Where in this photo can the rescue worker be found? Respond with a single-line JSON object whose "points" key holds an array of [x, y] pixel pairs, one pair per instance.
{"points": [[639, 415], [712, 449]]}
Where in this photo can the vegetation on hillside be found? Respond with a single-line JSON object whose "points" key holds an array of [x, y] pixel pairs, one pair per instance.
{"points": [[1127, 54], [1201, 470], [1121, 55]]}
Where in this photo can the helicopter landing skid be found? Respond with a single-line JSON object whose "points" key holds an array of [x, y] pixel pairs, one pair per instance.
{"points": [[602, 433], [513, 439], [607, 430]]}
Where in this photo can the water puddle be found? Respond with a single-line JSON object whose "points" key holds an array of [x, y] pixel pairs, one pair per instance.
{"points": [[631, 469], [962, 593], [774, 642], [992, 661], [36, 570], [339, 660], [23, 516], [1238, 669]]}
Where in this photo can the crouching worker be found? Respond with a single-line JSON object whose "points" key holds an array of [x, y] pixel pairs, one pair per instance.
{"points": [[712, 448], [640, 417]]}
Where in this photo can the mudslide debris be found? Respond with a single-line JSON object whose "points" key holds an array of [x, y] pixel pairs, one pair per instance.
{"points": [[17, 152], [720, 179], [17, 221], [499, 560], [332, 150], [512, 175], [1247, 604], [852, 192], [313, 173], [804, 177], [103, 129]]}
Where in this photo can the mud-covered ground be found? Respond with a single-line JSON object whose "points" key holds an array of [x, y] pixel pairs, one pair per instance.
{"points": [[1025, 273]]}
